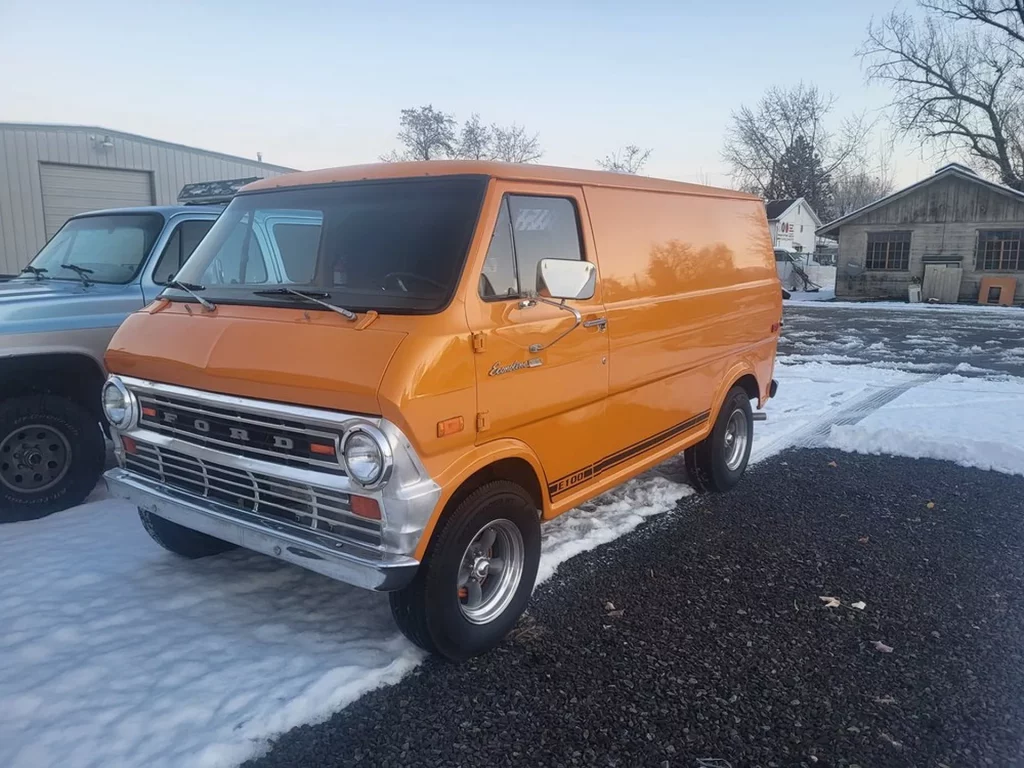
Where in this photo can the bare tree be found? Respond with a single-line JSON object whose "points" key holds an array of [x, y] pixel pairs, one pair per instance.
{"points": [[863, 181], [629, 159], [512, 144], [856, 191], [426, 134], [957, 75], [761, 141], [475, 141]]}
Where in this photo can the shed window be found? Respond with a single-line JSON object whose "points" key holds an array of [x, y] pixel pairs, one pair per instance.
{"points": [[999, 251], [888, 251]]}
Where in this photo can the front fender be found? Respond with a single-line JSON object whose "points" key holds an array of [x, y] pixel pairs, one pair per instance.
{"points": [[87, 342], [471, 462]]}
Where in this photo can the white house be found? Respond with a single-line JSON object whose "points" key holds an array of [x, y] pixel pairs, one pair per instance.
{"points": [[793, 224]]}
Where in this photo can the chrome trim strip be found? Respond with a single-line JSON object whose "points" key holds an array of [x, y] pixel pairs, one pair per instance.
{"points": [[263, 407], [344, 562]]}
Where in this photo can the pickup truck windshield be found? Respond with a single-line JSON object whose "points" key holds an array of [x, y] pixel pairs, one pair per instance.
{"points": [[108, 248], [391, 246]]}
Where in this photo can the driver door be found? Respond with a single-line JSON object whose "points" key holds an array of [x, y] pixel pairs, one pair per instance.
{"points": [[533, 382]]}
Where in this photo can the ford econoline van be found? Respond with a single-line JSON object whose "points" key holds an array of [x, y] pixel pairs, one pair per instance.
{"points": [[393, 374]]}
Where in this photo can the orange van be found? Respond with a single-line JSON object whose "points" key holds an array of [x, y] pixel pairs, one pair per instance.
{"points": [[392, 374]]}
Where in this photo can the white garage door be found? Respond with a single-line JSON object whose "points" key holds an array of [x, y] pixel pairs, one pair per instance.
{"points": [[71, 189]]}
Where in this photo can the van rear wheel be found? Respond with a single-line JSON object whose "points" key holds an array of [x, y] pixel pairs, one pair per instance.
{"points": [[477, 576], [717, 462]]}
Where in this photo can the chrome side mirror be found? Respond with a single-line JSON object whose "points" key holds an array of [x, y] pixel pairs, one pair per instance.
{"points": [[566, 279]]}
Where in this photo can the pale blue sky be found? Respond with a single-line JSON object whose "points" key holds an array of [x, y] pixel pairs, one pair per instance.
{"points": [[312, 83]]}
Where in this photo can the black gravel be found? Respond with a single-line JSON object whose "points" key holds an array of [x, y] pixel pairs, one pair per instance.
{"points": [[719, 645]]}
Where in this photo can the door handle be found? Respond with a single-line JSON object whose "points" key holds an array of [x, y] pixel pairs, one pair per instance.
{"points": [[600, 323]]}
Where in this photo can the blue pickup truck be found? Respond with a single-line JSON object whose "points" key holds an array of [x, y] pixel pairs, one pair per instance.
{"points": [[56, 319]]}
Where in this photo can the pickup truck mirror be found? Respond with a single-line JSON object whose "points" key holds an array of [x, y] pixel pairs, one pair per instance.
{"points": [[566, 279]]}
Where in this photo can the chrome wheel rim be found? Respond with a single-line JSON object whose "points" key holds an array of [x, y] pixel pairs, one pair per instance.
{"points": [[737, 433], [34, 458], [490, 571]]}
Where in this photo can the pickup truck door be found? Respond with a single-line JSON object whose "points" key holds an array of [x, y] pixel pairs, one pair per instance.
{"points": [[539, 379]]}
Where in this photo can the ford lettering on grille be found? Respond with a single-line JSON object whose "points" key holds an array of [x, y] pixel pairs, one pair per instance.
{"points": [[279, 440]]}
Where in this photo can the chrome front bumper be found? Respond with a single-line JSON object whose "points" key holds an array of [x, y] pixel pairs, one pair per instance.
{"points": [[342, 561]]}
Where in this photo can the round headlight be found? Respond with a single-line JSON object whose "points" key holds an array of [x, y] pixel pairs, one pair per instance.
{"points": [[367, 456], [118, 403]]}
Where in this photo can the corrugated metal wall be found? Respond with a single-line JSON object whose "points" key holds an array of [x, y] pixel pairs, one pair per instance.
{"points": [[24, 147]]}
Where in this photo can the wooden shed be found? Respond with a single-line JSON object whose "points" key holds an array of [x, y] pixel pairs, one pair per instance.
{"points": [[955, 234]]}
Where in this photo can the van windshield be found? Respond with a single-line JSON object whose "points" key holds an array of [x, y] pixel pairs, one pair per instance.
{"points": [[395, 246]]}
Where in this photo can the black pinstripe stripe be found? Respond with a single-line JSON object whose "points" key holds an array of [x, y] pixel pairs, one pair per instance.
{"points": [[563, 484]]}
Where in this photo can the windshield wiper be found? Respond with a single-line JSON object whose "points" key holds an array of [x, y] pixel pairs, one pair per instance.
{"points": [[80, 271], [190, 289], [37, 271], [348, 314]]}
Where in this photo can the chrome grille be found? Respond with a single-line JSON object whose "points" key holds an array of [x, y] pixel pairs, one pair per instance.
{"points": [[318, 508], [283, 441]]}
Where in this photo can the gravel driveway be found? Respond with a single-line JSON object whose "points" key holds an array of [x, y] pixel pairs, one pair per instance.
{"points": [[703, 635]]}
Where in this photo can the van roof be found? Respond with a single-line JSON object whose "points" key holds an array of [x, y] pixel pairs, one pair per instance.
{"points": [[508, 171]]}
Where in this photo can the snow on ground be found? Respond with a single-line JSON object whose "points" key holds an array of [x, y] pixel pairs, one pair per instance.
{"points": [[116, 653], [973, 422], [809, 396], [902, 306]]}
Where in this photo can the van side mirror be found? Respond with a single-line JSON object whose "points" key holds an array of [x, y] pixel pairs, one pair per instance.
{"points": [[566, 279]]}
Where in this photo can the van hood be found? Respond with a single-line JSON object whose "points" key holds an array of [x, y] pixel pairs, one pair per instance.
{"points": [[31, 306], [292, 356]]}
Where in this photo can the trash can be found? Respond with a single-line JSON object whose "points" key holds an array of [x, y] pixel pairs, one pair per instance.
{"points": [[914, 294]]}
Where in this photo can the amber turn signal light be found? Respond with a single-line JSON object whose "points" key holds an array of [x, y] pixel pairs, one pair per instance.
{"points": [[450, 426], [323, 450], [363, 506], [129, 444]]}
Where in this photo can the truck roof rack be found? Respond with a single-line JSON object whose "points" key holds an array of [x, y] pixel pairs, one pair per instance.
{"points": [[212, 192]]}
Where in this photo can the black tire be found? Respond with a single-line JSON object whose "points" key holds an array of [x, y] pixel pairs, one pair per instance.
{"points": [[429, 611], [181, 540], [30, 487], [707, 462]]}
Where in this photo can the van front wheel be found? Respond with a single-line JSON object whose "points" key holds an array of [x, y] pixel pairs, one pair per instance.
{"points": [[718, 461], [477, 576]]}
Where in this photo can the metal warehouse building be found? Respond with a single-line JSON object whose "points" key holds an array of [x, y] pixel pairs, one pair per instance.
{"points": [[51, 172]]}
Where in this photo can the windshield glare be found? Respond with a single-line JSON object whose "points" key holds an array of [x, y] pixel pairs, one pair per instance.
{"points": [[112, 246], [395, 245]]}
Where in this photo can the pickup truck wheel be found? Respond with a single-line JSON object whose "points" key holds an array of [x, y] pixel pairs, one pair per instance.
{"points": [[181, 540], [717, 462], [477, 576], [51, 456]]}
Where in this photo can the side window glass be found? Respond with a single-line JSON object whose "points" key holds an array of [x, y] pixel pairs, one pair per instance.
{"points": [[542, 228], [192, 232], [298, 245], [183, 241], [170, 259], [498, 278], [227, 267]]}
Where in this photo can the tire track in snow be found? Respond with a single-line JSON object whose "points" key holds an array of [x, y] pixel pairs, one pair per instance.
{"points": [[814, 435]]}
